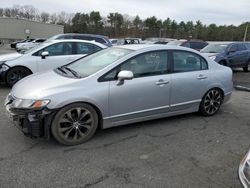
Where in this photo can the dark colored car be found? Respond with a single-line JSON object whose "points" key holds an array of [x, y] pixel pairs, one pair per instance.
{"points": [[161, 42], [193, 43], [234, 55], [97, 38]]}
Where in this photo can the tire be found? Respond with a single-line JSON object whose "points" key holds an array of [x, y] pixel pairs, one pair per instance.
{"points": [[74, 124], [211, 102], [246, 69], [15, 74]]}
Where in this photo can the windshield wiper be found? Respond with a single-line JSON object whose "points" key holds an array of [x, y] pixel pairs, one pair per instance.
{"points": [[61, 69], [72, 72]]}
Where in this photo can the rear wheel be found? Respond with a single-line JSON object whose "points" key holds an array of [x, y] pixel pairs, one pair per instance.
{"points": [[15, 74], [75, 124], [211, 102]]}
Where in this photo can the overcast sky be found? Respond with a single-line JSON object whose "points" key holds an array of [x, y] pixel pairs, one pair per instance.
{"points": [[208, 11]]}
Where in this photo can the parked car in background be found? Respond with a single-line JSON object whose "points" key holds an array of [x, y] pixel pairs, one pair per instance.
{"points": [[193, 43], [234, 55], [13, 44], [213, 49], [126, 41], [48, 55], [97, 38], [244, 170], [28, 45], [114, 41], [117, 86], [161, 42]]}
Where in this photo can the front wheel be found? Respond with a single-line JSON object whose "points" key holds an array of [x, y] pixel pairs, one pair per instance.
{"points": [[211, 102], [74, 124], [15, 74]]}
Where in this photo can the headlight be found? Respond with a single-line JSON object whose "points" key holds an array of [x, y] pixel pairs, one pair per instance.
{"points": [[3, 67], [212, 57], [28, 103]]}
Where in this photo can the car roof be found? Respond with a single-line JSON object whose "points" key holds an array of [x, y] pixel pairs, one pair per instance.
{"points": [[77, 40], [136, 47], [83, 34]]}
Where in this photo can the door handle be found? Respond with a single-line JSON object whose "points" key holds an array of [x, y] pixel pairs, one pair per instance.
{"points": [[162, 82], [201, 77]]}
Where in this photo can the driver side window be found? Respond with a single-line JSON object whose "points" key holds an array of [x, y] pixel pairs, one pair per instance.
{"points": [[233, 48], [147, 64], [63, 48]]}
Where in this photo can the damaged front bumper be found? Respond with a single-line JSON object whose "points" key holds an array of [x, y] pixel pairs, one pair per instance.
{"points": [[33, 123]]}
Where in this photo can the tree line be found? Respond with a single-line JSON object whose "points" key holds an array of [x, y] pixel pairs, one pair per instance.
{"points": [[117, 25]]}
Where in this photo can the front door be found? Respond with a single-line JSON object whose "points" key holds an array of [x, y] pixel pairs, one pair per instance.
{"points": [[145, 96], [59, 54]]}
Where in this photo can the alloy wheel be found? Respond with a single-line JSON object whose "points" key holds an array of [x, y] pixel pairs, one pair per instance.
{"points": [[75, 124], [212, 101]]}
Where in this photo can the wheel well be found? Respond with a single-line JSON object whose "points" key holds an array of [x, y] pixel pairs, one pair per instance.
{"points": [[99, 114], [5, 76], [19, 66], [222, 92]]}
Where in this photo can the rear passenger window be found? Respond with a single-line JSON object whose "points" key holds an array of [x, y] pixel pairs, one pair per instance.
{"points": [[100, 40], [187, 61], [186, 44], [85, 48], [241, 47]]}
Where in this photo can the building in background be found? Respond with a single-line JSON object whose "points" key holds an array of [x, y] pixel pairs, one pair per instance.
{"points": [[18, 28]]}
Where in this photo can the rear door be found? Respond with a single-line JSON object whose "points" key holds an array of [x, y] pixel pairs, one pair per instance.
{"points": [[189, 80]]}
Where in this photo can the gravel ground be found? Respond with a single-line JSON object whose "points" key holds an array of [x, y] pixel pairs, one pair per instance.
{"points": [[182, 151]]}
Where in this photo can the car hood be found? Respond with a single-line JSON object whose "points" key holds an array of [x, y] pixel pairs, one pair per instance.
{"points": [[9, 57], [42, 85]]}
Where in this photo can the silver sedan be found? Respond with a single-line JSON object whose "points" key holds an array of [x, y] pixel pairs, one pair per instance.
{"points": [[117, 86]]}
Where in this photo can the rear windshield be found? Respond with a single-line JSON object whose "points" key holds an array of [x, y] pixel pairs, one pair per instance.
{"points": [[214, 48]]}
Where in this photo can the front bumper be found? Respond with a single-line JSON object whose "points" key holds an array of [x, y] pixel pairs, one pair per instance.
{"points": [[244, 171], [33, 123]]}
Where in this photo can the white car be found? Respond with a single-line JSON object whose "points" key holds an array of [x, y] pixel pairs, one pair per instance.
{"points": [[28, 45], [46, 56]]}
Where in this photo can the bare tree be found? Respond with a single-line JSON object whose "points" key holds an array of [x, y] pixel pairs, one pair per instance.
{"points": [[45, 17]]}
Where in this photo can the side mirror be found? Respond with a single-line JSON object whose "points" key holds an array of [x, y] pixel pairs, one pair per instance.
{"points": [[44, 54], [124, 75]]}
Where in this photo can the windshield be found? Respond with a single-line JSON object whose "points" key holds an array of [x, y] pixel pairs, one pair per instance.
{"points": [[175, 42], [214, 48], [97, 61]]}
